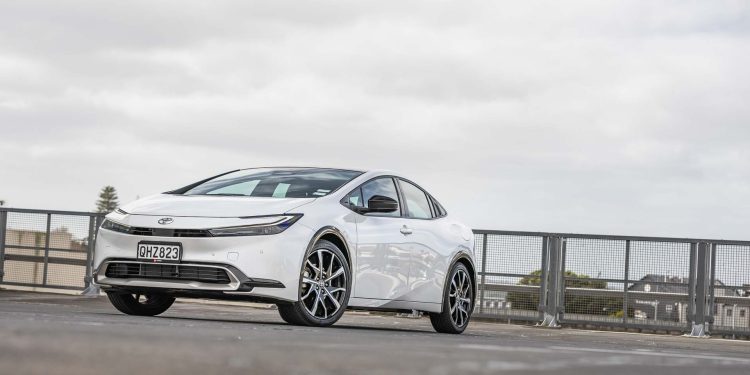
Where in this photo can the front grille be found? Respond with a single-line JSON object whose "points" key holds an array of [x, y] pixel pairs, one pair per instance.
{"points": [[142, 231], [203, 274], [159, 232], [190, 233]]}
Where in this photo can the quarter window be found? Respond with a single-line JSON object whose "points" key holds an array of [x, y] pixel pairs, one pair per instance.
{"points": [[355, 198], [417, 203], [383, 187], [439, 210]]}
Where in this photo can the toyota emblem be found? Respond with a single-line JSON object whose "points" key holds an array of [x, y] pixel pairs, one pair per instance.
{"points": [[165, 220]]}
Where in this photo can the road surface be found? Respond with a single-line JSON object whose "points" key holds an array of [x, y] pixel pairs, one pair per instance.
{"points": [[58, 334]]}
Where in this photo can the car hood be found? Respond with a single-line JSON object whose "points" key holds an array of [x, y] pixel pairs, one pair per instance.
{"points": [[208, 206]]}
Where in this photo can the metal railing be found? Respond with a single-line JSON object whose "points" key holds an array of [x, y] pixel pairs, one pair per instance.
{"points": [[47, 249], [674, 284]]}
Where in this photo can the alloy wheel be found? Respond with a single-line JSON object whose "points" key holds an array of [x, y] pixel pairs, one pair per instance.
{"points": [[460, 298], [324, 284]]}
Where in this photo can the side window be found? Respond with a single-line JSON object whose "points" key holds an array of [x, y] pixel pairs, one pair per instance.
{"points": [[417, 203], [384, 187]]}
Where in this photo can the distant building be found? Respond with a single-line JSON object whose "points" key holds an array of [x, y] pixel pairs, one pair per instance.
{"points": [[58, 238], [25, 251], [494, 300], [676, 308]]}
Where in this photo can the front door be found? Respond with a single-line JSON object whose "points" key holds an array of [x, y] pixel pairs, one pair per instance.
{"points": [[383, 258]]}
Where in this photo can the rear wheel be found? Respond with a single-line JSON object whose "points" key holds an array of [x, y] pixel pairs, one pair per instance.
{"points": [[140, 304], [324, 288], [458, 302]]}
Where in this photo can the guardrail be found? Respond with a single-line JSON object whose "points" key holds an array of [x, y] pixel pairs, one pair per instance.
{"points": [[675, 284], [47, 249]]}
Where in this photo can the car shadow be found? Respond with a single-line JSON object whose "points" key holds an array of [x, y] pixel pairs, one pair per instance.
{"points": [[287, 326]]}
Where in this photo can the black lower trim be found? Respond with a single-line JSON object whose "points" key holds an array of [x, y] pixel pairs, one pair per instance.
{"points": [[202, 294], [263, 283], [247, 284], [380, 309], [167, 271]]}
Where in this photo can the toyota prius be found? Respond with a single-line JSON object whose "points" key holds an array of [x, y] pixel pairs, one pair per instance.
{"points": [[313, 241]]}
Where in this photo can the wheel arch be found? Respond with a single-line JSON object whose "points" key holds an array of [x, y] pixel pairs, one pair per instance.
{"points": [[464, 258], [333, 235]]}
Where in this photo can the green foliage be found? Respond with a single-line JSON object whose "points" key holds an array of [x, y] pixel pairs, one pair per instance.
{"points": [[575, 304], [108, 200]]}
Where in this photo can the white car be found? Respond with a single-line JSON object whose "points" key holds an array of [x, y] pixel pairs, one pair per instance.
{"points": [[313, 241]]}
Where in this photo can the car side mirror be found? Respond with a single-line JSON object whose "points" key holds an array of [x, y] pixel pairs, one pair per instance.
{"points": [[379, 204]]}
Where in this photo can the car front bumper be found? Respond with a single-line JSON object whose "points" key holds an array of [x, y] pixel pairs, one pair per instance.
{"points": [[257, 266]]}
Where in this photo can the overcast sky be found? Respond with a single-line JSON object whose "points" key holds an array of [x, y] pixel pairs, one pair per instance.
{"points": [[608, 117]]}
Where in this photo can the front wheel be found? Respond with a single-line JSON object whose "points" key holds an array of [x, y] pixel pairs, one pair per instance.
{"points": [[324, 288], [140, 304], [458, 302]]}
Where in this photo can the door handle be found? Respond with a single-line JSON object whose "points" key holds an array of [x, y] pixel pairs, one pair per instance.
{"points": [[406, 230]]}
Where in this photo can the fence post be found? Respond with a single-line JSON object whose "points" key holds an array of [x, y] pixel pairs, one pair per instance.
{"points": [[711, 287], [543, 278], [552, 310], [691, 286], [626, 284], [3, 224], [46, 250], [698, 328], [91, 289], [483, 277], [561, 279]]}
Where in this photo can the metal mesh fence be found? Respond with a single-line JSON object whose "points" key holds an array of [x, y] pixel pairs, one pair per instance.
{"points": [[595, 280], [629, 282], [50, 249], [637, 282], [510, 275], [25, 239], [660, 272], [730, 289]]}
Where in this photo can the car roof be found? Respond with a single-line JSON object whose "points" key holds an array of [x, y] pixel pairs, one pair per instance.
{"points": [[293, 168]]}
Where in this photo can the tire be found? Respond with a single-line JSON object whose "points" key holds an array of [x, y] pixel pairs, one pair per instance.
{"points": [[458, 292], [140, 304], [289, 315], [323, 291]]}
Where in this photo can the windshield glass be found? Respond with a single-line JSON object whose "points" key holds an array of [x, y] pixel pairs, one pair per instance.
{"points": [[276, 183]]}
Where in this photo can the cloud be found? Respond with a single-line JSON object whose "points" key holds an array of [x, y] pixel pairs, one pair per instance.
{"points": [[585, 116]]}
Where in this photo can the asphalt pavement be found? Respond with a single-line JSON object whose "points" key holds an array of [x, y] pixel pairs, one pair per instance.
{"points": [[59, 334]]}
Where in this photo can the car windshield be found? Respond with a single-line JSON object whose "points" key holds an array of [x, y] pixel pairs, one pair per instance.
{"points": [[274, 183]]}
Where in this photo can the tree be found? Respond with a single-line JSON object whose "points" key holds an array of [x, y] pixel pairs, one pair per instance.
{"points": [[107, 200], [2, 202], [574, 303]]}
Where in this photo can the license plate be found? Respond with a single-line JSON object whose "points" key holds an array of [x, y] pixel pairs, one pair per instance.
{"points": [[159, 251]]}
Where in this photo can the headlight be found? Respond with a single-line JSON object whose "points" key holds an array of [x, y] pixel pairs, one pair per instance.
{"points": [[261, 225], [117, 227]]}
